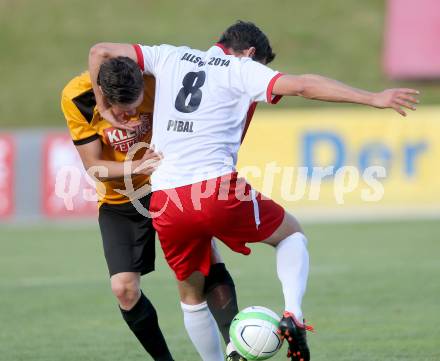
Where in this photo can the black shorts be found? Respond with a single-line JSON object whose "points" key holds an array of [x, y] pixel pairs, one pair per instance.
{"points": [[128, 237]]}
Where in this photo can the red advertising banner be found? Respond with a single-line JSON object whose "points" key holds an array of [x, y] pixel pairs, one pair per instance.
{"points": [[7, 156], [412, 39], [67, 190]]}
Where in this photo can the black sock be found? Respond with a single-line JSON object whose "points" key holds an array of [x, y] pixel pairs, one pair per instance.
{"points": [[222, 298], [142, 320]]}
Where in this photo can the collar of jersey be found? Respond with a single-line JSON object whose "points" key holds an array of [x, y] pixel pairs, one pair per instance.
{"points": [[221, 46]]}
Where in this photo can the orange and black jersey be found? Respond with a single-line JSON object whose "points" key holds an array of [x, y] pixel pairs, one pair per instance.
{"points": [[86, 125]]}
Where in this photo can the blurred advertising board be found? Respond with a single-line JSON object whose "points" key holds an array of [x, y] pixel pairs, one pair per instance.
{"points": [[67, 190], [327, 163], [412, 33], [7, 155], [364, 160]]}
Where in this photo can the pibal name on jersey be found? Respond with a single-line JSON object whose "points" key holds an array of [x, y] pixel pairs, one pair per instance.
{"points": [[180, 126]]}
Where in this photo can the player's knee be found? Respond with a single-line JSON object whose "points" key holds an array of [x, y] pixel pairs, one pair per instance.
{"points": [[127, 292], [192, 299], [289, 226], [191, 289], [292, 225]]}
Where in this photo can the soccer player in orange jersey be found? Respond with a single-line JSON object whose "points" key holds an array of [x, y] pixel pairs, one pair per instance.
{"points": [[129, 237]]}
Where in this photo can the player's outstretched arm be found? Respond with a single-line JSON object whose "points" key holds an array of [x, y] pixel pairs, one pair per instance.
{"points": [[97, 55], [321, 88]]}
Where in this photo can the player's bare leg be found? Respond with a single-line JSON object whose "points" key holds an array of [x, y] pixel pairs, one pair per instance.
{"points": [[288, 226], [292, 270], [199, 322], [139, 314], [126, 288]]}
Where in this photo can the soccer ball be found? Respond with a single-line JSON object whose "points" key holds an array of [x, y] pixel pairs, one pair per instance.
{"points": [[253, 333]]}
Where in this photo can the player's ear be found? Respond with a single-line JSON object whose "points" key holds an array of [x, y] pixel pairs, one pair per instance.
{"points": [[250, 52], [100, 89]]}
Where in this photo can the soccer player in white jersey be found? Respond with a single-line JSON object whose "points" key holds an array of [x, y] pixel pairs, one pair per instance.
{"points": [[201, 101]]}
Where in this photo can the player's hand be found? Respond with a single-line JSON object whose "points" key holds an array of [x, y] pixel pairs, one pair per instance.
{"points": [[397, 99], [149, 162]]}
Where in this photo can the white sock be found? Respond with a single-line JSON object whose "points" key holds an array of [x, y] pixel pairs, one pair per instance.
{"points": [[203, 331], [293, 269]]}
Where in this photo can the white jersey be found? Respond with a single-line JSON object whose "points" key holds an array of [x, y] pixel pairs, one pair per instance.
{"points": [[201, 102]]}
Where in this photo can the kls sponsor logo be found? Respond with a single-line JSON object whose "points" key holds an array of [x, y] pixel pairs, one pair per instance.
{"points": [[121, 139]]}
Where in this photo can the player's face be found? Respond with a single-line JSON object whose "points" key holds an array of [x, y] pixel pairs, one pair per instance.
{"points": [[124, 112]]}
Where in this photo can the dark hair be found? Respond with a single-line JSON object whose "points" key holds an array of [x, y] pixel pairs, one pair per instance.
{"points": [[242, 35], [121, 80]]}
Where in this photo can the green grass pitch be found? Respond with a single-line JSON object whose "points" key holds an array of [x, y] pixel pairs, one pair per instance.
{"points": [[373, 294]]}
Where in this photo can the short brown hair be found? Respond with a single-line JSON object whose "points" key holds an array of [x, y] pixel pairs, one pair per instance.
{"points": [[121, 80], [242, 35]]}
